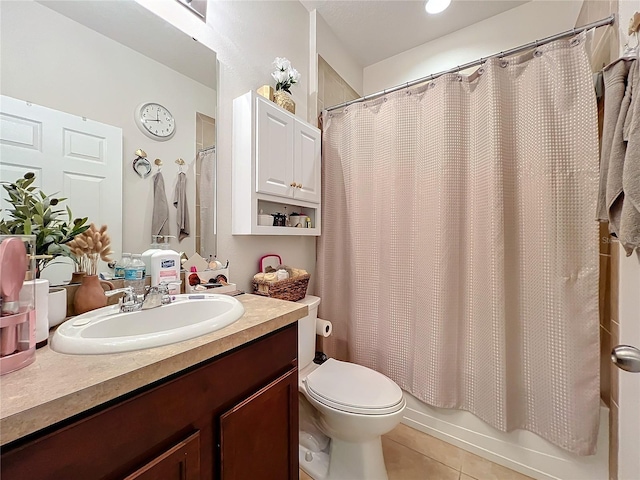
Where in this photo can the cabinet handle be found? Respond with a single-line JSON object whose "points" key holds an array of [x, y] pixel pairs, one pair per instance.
{"points": [[294, 184]]}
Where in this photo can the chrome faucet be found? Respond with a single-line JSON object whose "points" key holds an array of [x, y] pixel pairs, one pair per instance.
{"points": [[153, 297], [130, 301], [156, 296]]}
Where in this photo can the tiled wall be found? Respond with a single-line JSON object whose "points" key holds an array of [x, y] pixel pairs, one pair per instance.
{"points": [[332, 88], [205, 137]]}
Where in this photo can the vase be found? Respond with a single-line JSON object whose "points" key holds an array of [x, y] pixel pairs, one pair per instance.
{"points": [[76, 277], [282, 98], [90, 294]]}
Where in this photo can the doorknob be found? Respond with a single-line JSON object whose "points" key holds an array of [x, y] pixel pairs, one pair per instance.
{"points": [[626, 357]]}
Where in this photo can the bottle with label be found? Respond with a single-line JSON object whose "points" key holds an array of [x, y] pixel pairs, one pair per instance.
{"points": [[121, 264], [146, 255], [165, 267], [134, 274]]}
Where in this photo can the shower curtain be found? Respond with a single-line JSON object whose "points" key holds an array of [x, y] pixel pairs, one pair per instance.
{"points": [[206, 192], [459, 255]]}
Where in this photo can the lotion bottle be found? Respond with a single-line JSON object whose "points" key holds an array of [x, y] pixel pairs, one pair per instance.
{"points": [[165, 267], [146, 255]]}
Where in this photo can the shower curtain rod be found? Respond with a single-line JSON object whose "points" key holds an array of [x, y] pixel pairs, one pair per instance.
{"points": [[600, 23], [206, 149]]}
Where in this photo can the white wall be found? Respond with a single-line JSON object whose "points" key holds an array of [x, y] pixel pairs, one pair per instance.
{"points": [[71, 68], [523, 24], [629, 316], [330, 48], [247, 36]]}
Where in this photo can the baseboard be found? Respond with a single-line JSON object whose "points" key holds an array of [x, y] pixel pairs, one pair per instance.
{"points": [[519, 450]]}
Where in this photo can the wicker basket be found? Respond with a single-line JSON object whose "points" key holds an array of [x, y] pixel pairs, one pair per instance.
{"points": [[292, 289]]}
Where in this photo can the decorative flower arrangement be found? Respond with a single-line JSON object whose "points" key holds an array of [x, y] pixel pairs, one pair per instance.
{"points": [[285, 75], [89, 247]]}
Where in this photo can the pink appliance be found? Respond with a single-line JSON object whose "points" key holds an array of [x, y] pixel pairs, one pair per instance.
{"points": [[17, 307]]}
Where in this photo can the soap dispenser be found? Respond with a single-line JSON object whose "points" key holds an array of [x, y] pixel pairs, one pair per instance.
{"points": [[165, 267], [147, 254]]}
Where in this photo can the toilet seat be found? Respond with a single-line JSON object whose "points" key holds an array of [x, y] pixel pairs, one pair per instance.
{"points": [[353, 388]]}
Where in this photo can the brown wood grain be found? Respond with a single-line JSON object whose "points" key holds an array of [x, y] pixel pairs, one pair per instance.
{"points": [[126, 434]]}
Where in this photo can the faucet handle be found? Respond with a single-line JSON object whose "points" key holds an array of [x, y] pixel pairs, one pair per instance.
{"points": [[129, 299], [128, 292], [165, 287]]}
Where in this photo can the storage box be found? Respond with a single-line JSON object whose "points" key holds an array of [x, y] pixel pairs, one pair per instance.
{"points": [[207, 276]]}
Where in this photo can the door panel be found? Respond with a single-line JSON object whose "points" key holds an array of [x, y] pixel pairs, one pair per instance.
{"points": [[255, 433], [274, 155], [307, 163], [71, 156], [181, 462]]}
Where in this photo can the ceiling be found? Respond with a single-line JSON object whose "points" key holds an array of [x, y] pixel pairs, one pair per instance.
{"points": [[373, 30], [129, 23]]}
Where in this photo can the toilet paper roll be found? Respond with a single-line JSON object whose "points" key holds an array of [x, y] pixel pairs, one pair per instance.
{"points": [[323, 327]]}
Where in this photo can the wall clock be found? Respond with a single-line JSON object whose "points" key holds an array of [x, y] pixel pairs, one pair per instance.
{"points": [[155, 121]]}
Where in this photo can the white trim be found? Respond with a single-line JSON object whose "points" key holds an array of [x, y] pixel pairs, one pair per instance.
{"points": [[519, 450]]}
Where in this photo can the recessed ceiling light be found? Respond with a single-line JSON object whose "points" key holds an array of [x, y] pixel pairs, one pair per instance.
{"points": [[436, 6]]}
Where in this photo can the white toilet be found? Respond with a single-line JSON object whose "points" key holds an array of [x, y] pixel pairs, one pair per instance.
{"points": [[344, 410]]}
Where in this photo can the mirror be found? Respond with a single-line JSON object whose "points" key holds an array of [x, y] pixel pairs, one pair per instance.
{"points": [[100, 62]]}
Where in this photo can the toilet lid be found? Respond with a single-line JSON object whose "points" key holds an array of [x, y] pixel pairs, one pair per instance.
{"points": [[354, 388]]}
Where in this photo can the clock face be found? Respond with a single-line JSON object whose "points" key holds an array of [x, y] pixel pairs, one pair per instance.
{"points": [[156, 121]]}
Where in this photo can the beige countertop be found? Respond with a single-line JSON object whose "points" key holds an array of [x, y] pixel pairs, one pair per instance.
{"points": [[57, 386]]}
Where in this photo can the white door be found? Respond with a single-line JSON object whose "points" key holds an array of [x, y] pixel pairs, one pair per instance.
{"points": [[629, 381], [306, 168], [79, 158], [274, 150]]}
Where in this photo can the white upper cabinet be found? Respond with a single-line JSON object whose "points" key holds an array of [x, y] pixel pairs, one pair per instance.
{"points": [[287, 154], [276, 167]]}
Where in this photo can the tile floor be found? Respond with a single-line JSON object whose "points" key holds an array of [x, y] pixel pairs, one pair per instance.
{"points": [[413, 455]]}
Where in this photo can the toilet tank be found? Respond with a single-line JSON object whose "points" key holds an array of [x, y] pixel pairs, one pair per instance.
{"points": [[307, 332]]}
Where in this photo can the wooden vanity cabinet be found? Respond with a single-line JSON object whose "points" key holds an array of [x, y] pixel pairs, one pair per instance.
{"points": [[234, 417]]}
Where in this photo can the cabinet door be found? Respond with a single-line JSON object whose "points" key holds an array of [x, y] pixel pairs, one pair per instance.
{"points": [[259, 436], [274, 150], [181, 462], [306, 169]]}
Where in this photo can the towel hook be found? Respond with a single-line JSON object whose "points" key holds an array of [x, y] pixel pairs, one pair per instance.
{"points": [[180, 163], [158, 163], [141, 165]]}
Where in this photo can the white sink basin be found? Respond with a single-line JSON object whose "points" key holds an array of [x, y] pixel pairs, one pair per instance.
{"points": [[106, 330]]}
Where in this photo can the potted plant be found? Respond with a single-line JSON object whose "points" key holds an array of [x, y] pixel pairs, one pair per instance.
{"points": [[285, 76], [35, 213]]}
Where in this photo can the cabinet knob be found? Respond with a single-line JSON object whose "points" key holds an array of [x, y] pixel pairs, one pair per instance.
{"points": [[294, 184], [299, 185]]}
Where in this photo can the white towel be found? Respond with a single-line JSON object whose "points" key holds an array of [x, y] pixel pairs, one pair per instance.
{"points": [[160, 216], [180, 202]]}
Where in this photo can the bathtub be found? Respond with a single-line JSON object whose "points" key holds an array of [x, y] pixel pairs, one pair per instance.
{"points": [[519, 450]]}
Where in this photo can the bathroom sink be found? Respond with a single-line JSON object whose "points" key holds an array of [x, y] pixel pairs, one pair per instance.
{"points": [[106, 330]]}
